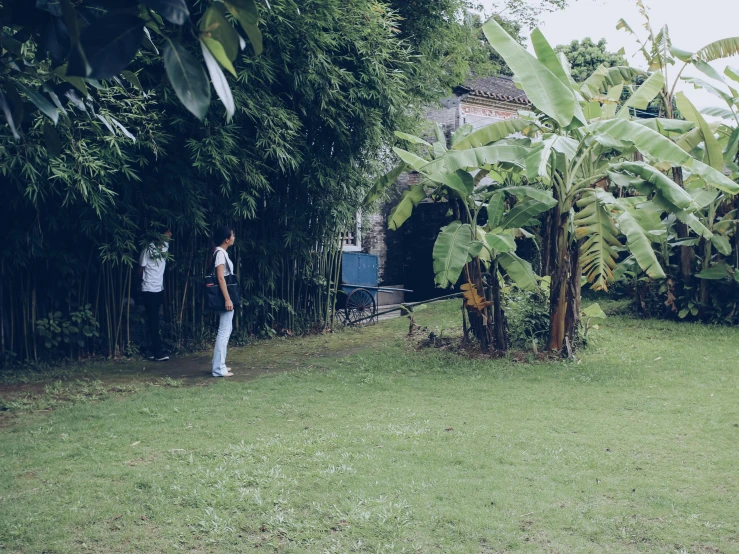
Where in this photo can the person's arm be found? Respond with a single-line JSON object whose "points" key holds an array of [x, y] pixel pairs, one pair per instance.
{"points": [[224, 289], [142, 263]]}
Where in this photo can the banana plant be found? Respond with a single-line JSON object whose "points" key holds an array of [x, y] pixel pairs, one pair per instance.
{"points": [[584, 142], [481, 184]]}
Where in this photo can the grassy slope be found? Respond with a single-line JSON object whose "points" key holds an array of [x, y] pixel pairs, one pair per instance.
{"points": [[393, 450]]}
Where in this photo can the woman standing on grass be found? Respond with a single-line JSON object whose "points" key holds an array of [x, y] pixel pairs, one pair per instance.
{"points": [[224, 238]]}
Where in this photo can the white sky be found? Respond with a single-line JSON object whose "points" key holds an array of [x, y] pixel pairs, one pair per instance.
{"points": [[692, 24]]}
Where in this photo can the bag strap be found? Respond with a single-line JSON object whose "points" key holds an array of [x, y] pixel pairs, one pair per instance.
{"points": [[215, 255]]}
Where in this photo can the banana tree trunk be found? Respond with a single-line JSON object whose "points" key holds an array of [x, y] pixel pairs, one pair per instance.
{"points": [[480, 322], [572, 317], [499, 324], [564, 292]]}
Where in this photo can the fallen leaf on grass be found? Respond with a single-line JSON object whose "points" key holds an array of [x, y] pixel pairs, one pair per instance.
{"points": [[135, 443], [449, 429]]}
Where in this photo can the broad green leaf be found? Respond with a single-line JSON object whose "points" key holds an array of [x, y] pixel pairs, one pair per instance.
{"points": [[543, 88], [246, 12], [661, 149], [703, 197], [521, 192], [495, 208], [461, 133], [460, 181], [595, 227], [699, 83], [715, 156], [594, 311], [501, 243], [722, 244], [628, 265], [217, 53], [473, 158], [732, 73], [592, 110], [707, 70], [518, 270], [46, 107], [215, 26], [450, 253], [730, 150], [682, 55], [694, 223], [667, 127], [403, 209], [723, 113], [412, 160], [666, 186], [646, 92], [132, 78], [216, 75], [411, 138], [717, 271], [490, 133], [523, 212], [640, 246], [174, 11], [383, 183], [724, 48], [109, 45], [440, 137], [188, 79], [546, 55]]}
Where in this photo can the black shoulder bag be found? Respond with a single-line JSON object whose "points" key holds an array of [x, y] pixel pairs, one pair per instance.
{"points": [[214, 299]]}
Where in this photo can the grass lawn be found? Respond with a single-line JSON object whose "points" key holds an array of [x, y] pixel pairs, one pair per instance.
{"points": [[380, 447]]}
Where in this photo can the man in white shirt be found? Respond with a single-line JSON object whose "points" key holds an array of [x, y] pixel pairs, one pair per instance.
{"points": [[151, 269]]}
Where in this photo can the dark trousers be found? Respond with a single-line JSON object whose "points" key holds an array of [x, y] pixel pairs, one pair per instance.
{"points": [[152, 301]]}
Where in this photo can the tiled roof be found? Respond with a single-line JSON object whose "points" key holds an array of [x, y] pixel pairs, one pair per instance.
{"points": [[497, 88]]}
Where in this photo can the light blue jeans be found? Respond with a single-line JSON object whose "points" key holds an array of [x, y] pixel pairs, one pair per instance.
{"points": [[225, 325]]}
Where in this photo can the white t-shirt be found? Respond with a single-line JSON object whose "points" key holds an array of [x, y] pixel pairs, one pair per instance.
{"points": [[223, 259], [152, 261]]}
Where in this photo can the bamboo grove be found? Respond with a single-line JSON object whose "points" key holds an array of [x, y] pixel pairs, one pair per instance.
{"points": [[313, 115]]}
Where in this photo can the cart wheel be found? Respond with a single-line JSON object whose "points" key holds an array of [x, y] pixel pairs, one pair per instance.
{"points": [[360, 305]]}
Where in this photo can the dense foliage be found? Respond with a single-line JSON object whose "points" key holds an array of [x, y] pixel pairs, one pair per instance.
{"points": [[586, 56], [313, 114]]}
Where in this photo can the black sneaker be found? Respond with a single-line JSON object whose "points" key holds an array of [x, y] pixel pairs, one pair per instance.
{"points": [[161, 358]]}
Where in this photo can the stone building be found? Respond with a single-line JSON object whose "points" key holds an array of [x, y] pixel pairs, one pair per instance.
{"points": [[404, 256]]}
